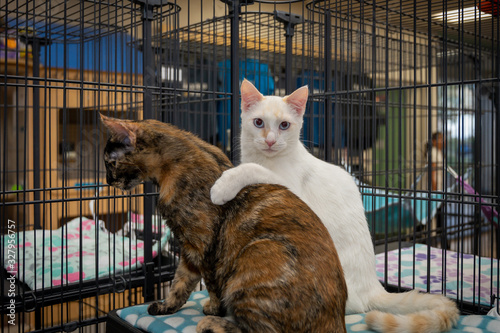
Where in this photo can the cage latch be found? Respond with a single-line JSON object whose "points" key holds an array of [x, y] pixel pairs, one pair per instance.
{"points": [[148, 290], [119, 285], [27, 300]]}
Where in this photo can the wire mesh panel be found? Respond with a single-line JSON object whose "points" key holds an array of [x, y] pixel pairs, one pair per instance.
{"points": [[415, 115], [72, 247], [76, 247], [205, 66]]}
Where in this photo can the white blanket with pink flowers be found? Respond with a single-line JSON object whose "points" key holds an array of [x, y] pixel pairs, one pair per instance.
{"points": [[81, 250]]}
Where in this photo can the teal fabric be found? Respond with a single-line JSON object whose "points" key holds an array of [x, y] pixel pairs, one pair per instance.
{"points": [[387, 211], [186, 319]]}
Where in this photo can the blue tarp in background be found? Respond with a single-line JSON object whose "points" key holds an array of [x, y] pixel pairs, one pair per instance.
{"points": [[251, 69], [315, 112], [74, 47], [111, 53]]}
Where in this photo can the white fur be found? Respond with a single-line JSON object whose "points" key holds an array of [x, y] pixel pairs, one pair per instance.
{"points": [[328, 189]]}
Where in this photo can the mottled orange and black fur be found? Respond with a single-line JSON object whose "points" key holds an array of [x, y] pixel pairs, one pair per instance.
{"points": [[264, 256]]}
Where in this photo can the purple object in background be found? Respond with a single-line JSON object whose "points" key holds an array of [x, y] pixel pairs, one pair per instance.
{"points": [[489, 212]]}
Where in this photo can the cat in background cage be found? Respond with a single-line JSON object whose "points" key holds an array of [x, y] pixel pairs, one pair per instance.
{"points": [[272, 153], [265, 257]]}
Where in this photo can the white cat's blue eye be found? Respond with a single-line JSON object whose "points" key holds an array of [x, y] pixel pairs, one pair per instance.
{"points": [[284, 125], [259, 123]]}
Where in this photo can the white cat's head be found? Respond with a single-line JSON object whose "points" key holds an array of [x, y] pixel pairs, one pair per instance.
{"points": [[271, 124]]}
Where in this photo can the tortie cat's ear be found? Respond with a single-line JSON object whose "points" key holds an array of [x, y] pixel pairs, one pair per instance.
{"points": [[249, 95], [298, 100], [123, 130]]}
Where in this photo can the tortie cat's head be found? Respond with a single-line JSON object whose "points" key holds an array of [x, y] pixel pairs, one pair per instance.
{"points": [[132, 152], [144, 150], [122, 171]]}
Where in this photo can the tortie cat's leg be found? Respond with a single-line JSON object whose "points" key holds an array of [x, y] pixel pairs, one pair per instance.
{"points": [[214, 306], [185, 280], [212, 324]]}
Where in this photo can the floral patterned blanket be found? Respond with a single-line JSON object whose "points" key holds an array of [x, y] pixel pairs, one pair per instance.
{"points": [[459, 276], [80, 250]]}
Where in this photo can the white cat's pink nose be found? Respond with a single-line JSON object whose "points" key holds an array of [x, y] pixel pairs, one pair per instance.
{"points": [[270, 142]]}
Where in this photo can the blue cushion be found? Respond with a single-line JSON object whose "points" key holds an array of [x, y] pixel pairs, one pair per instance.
{"points": [[186, 319]]}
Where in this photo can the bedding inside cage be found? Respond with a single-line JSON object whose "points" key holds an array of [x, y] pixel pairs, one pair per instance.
{"points": [[81, 250], [468, 278], [136, 318], [463, 277]]}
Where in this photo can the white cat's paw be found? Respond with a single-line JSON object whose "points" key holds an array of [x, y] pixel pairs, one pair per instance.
{"points": [[224, 189]]}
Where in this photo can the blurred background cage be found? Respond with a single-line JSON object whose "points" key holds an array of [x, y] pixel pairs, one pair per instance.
{"points": [[384, 77]]}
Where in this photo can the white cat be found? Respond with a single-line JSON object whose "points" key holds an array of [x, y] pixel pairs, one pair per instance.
{"points": [[271, 152]]}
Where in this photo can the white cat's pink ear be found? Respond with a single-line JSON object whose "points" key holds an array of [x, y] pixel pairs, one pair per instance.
{"points": [[249, 95], [298, 100], [122, 130]]}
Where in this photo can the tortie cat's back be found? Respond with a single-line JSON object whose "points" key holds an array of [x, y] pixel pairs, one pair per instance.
{"points": [[282, 251], [264, 255]]}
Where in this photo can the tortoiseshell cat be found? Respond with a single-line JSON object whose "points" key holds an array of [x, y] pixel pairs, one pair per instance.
{"points": [[264, 256]]}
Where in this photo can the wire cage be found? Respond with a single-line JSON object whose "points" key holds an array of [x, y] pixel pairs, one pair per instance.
{"points": [[384, 76], [76, 247], [413, 69]]}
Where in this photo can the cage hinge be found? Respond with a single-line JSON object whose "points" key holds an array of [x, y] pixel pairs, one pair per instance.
{"points": [[238, 3], [289, 20], [148, 6]]}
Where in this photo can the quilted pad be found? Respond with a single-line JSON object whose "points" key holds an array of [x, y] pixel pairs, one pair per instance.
{"points": [[186, 319]]}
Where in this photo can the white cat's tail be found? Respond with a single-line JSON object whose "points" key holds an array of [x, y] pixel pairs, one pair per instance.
{"points": [[411, 312]]}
